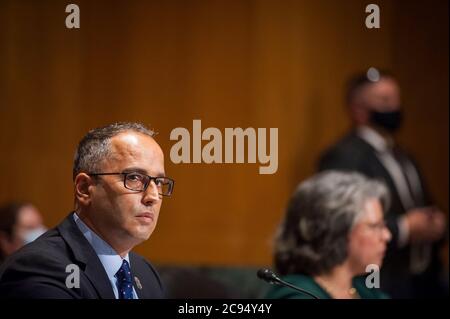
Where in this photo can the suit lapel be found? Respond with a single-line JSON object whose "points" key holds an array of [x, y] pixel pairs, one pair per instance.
{"points": [[377, 168], [140, 273], [85, 254]]}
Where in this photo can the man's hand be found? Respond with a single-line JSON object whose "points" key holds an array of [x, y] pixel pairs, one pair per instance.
{"points": [[426, 224]]}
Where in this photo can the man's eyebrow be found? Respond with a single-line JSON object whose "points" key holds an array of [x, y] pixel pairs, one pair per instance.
{"points": [[142, 171]]}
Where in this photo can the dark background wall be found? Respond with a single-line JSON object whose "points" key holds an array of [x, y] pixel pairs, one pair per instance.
{"points": [[229, 63]]}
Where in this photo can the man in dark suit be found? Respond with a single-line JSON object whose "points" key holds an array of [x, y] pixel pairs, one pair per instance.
{"points": [[412, 263], [119, 183]]}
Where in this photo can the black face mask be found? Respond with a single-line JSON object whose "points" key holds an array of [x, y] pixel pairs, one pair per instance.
{"points": [[390, 121]]}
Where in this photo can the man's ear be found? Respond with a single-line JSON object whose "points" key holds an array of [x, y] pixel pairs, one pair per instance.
{"points": [[359, 113], [82, 188]]}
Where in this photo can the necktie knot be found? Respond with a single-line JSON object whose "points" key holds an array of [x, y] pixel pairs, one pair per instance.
{"points": [[124, 281]]}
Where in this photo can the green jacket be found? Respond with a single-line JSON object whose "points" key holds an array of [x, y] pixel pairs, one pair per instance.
{"points": [[307, 283]]}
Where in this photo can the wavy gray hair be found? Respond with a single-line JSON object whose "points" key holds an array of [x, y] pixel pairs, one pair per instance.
{"points": [[313, 237]]}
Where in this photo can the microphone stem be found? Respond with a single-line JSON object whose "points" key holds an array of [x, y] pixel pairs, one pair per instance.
{"points": [[297, 288]]}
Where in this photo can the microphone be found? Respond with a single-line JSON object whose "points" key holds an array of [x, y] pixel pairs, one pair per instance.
{"points": [[270, 277]]}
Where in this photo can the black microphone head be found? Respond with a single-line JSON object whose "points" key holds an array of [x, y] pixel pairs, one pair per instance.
{"points": [[267, 275]]}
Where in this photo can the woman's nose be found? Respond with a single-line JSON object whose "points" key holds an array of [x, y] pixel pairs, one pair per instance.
{"points": [[387, 236]]}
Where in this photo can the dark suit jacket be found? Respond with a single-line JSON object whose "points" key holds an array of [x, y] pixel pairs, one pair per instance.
{"points": [[352, 153], [38, 270]]}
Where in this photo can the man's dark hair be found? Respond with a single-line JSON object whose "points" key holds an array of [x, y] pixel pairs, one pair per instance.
{"points": [[95, 145], [358, 81]]}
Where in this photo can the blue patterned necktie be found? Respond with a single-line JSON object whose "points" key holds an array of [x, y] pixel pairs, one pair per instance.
{"points": [[124, 283]]}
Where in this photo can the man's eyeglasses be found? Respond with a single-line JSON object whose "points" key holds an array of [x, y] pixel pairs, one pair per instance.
{"points": [[139, 182]]}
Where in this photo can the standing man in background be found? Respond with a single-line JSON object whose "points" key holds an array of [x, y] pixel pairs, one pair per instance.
{"points": [[412, 266]]}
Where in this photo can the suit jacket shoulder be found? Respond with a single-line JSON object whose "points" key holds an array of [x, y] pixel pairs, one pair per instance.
{"points": [[62, 264], [349, 153], [38, 270]]}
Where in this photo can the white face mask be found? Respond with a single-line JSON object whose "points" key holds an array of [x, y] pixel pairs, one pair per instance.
{"points": [[33, 234]]}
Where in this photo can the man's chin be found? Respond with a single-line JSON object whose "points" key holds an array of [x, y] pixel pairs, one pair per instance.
{"points": [[142, 235], [141, 231]]}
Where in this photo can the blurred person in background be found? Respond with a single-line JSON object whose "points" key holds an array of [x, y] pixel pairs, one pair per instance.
{"points": [[20, 224], [412, 266], [333, 230]]}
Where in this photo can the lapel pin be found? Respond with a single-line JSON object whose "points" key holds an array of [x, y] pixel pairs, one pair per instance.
{"points": [[138, 282]]}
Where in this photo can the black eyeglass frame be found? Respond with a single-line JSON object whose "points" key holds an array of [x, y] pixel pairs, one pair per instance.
{"points": [[150, 179]]}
